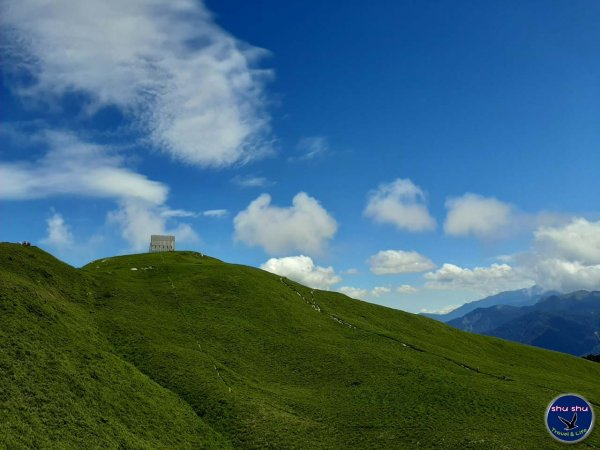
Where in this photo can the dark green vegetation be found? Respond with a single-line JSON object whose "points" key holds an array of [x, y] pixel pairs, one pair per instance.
{"points": [[568, 323], [187, 351]]}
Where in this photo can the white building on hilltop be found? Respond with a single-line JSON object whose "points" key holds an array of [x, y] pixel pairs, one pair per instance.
{"points": [[159, 243]]}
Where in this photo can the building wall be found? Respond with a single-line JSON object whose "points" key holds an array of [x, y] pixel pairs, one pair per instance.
{"points": [[162, 243]]}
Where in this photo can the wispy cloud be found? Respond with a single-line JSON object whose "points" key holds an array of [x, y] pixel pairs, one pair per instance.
{"points": [[138, 219], [213, 213], [194, 89], [250, 181], [72, 166], [310, 148], [178, 213]]}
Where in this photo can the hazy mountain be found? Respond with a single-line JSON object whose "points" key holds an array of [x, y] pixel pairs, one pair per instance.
{"points": [[483, 320], [567, 323], [519, 297]]}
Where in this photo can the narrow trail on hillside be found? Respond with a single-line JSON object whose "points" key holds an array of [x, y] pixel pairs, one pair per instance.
{"points": [[188, 325], [312, 302], [315, 305]]}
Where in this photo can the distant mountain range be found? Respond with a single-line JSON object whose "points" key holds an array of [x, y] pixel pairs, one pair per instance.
{"points": [[519, 297], [568, 323]]}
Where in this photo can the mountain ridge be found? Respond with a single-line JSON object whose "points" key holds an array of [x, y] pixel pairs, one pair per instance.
{"points": [[518, 297], [567, 322]]}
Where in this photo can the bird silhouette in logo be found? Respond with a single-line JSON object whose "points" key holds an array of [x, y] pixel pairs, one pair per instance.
{"points": [[569, 425]]}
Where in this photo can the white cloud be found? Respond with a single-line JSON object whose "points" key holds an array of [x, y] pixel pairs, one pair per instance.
{"points": [[400, 203], [578, 241], [74, 167], [178, 213], [483, 217], [250, 181], [351, 271], [311, 148], [303, 270], [215, 213], [77, 168], [59, 233], [360, 293], [388, 262], [566, 276], [565, 258], [139, 219], [192, 87], [484, 280], [378, 291], [444, 310], [353, 292], [406, 289], [305, 226]]}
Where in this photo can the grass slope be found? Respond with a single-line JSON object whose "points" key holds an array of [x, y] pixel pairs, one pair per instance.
{"points": [[61, 383], [266, 362]]}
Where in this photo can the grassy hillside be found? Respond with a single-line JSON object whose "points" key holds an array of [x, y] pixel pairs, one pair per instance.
{"points": [[62, 385], [261, 361]]}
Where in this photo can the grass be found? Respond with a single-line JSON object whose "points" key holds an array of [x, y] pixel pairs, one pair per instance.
{"points": [[189, 351], [62, 385]]}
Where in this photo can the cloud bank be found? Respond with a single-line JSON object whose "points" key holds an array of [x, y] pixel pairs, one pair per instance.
{"points": [[484, 280], [565, 258]]}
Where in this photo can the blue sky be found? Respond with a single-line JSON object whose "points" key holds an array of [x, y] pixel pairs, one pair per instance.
{"points": [[414, 154]]}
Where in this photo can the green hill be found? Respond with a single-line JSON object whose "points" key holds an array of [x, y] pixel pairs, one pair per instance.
{"points": [[188, 351]]}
